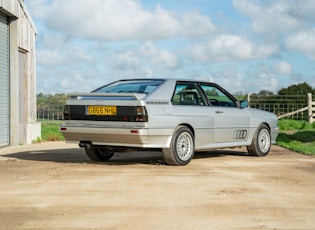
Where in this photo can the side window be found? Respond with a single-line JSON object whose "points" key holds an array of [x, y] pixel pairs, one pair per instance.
{"points": [[187, 94], [216, 97]]}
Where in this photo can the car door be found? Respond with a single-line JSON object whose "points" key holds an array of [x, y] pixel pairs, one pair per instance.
{"points": [[231, 123], [190, 107]]}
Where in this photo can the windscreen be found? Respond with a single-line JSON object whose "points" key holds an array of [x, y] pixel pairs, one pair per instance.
{"points": [[130, 86]]}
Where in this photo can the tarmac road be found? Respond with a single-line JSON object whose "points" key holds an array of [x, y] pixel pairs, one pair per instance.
{"points": [[54, 185]]}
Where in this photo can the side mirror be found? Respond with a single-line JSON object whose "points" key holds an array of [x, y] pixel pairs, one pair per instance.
{"points": [[243, 104]]}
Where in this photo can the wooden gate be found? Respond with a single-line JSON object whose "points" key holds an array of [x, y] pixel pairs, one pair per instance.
{"points": [[310, 107]]}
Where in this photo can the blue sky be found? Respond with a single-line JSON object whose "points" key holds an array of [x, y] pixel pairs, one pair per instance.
{"points": [[243, 45]]}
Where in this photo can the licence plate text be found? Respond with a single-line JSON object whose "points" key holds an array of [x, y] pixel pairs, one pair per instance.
{"points": [[102, 110]]}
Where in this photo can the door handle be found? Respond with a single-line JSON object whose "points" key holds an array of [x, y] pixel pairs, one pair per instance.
{"points": [[219, 111]]}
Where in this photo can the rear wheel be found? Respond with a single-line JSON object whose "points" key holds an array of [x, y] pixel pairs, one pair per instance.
{"points": [[181, 149], [99, 154], [261, 142]]}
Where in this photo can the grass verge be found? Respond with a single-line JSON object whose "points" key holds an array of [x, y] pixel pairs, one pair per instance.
{"points": [[298, 136], [50, 131]]}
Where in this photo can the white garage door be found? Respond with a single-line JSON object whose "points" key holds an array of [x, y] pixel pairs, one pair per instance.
{"points": [[4, 82]]}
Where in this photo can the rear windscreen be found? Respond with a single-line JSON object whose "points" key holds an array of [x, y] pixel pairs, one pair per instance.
{"points": [[130, 86]]}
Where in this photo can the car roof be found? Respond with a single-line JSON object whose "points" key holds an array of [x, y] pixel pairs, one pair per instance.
{"points": [[167, 79]]}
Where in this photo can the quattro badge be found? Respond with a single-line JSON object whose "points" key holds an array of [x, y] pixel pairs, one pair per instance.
{"points": [[240, 134]]}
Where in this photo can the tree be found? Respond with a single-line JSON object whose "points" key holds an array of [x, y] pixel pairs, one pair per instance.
{"points": [[265, 93], [40, 95], [299, 89]]}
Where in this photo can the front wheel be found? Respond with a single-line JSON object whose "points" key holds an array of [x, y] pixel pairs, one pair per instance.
{"points": [[99, 154], [181, 149], [261, 142]]}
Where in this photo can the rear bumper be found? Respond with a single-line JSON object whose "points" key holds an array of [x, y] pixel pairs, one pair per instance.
{"points": [[143, 137]]}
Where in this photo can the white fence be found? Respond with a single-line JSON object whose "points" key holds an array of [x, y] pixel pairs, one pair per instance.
{"points": [[310, 108], [298, 107]]}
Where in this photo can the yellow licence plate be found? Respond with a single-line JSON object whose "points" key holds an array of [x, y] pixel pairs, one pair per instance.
{"points": [[102, 110]]}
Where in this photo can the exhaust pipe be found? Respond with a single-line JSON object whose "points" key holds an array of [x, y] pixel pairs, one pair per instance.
{"points": [[85, 145]]}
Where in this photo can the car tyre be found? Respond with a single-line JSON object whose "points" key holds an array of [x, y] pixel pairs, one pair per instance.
{"points": [[98, 154], [261, 142], [182, 147]]}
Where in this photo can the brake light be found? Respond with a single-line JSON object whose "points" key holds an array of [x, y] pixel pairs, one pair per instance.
{"points": [[141, 114]]}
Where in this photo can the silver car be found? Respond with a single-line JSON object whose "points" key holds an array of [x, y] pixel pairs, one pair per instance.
{"points": [[177, 116]]}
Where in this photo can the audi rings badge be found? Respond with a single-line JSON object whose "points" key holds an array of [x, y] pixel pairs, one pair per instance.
{"points": [[240, 134]]}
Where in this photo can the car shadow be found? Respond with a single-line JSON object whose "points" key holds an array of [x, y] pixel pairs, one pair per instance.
{"points": [[220, 153], [69, 155], [77, 155]]}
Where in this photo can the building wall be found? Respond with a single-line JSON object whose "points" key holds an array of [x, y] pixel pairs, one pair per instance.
{"points": [[23, 125]]}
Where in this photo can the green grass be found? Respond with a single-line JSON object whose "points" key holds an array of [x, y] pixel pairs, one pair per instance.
{"points": [[295, 125], [298, 136], [50, 131]]}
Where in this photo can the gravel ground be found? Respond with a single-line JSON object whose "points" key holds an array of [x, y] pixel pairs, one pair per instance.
{"points": [[54, 185]]}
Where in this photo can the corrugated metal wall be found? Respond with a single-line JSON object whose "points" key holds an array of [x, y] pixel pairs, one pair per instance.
{"points": [[4, 82]]}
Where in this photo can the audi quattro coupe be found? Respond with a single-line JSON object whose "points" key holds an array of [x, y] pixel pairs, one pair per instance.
{"points": [[175, 116]]}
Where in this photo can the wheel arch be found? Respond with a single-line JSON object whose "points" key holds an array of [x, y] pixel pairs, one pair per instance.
{"points": [[188, 126], [265, 123], [260, 146], [181, 149], [254, 130]]}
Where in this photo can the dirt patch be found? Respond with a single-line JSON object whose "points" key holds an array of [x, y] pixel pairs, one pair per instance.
{"points": [[54, 185]]}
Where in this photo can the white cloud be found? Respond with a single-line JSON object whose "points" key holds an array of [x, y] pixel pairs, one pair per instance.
{"points": [[227, 47], [39, 8], [104, 40], [113, 20], [127, 65], [79, 53], [257, 78], [125, 61], [307, 10], [303, 41], [56, 50], [261, 81], [265, 81], [229, 78], [230, 47], [283, 68], [140, 57], [48, 57], [158, 56], [75, 83], [274, 18], [195, 24]]}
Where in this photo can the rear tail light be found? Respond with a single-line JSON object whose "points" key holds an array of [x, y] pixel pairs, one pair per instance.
{"points": [[141, 114]]}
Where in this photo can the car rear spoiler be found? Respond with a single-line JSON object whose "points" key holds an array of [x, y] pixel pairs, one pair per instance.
{"points": [[106, 96]]}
